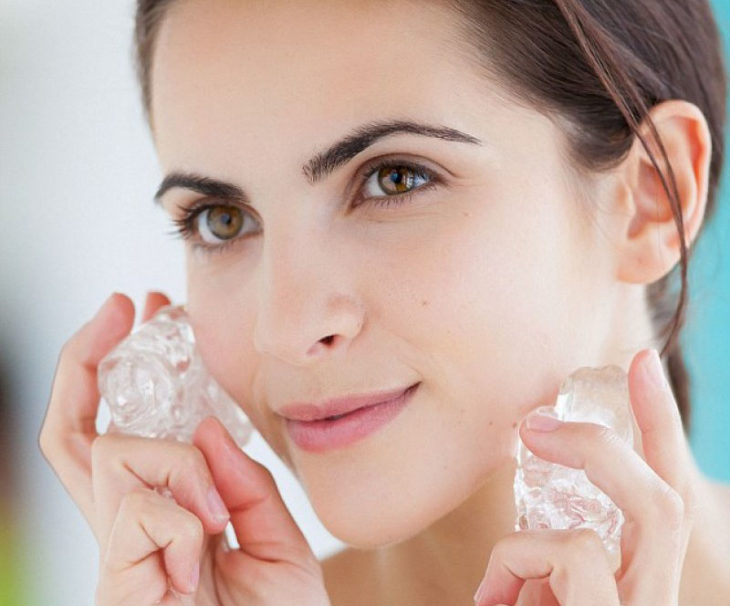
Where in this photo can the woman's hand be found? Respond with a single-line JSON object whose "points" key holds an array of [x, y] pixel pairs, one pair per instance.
{"points": [[149, 543], [656, 495]]}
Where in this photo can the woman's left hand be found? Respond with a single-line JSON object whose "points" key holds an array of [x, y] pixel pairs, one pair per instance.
{"points": [[655, 494]]}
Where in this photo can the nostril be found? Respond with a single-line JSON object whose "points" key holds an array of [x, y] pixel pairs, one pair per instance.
{"points": [[328, 340]]}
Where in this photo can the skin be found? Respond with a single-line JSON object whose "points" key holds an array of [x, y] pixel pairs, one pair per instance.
{"points": [[489, 289]]}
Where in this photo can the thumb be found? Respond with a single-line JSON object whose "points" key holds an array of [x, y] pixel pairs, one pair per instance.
{"points": [[262, 523]]}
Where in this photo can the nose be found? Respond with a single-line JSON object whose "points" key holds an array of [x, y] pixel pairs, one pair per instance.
{"points": [[306, 305]]}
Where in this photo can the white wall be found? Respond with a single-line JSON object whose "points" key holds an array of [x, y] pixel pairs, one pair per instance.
{"points": [[77, 174]]}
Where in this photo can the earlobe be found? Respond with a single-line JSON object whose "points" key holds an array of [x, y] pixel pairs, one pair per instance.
{"points": [[650, 244]]}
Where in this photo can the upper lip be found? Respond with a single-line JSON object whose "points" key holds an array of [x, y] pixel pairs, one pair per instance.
{"points": [[311, 411]]}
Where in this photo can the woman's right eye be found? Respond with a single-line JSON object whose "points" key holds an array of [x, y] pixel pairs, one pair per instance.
{"points": [[221, 222], [217, 225]]}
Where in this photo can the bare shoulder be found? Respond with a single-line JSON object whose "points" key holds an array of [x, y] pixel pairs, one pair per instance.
{"points": [[350, 577]]}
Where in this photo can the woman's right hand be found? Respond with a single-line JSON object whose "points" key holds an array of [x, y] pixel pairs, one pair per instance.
{"points": [[149, 543]]}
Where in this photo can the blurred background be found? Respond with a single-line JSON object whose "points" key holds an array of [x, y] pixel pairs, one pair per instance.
{"points": [[77, 174]]}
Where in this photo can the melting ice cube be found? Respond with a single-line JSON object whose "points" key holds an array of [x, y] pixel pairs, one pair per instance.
{"points": [[156, 385], [549, 495]]}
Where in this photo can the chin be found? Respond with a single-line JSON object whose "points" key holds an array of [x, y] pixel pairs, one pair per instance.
{"points": [[383, 516], [373, 532]]}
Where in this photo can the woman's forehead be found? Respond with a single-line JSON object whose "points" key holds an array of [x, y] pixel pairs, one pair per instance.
{"points": [[236, 76], [345, 41], [335, 55]]}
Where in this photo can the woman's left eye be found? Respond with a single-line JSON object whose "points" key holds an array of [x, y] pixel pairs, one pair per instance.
{"points": [[398, 179]]}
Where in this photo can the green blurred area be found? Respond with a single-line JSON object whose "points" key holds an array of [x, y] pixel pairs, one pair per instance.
{"points": [[14, 583]]}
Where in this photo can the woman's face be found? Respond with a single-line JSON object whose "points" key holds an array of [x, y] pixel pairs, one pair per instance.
{"points": [[487, 285]]}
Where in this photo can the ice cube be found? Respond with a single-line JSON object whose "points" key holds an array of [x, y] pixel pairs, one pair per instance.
{"points": [[549, 495], [156, 385]]}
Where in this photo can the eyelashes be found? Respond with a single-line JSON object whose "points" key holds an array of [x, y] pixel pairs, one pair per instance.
{"points": [[186, 227], [374, 168]]}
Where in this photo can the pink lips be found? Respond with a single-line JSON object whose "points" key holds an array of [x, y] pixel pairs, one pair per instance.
{"points": [[307, 411], [323, 434]]}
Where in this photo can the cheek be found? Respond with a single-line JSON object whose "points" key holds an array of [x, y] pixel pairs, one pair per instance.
{"points": [[477, 292], [222, 333], [474, 306], [223, 326]]}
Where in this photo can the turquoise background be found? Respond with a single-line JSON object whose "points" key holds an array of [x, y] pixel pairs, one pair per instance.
{"points": [[706, 336]]}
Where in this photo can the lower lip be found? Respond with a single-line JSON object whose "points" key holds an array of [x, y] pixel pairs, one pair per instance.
{"points": [[319, 436]]}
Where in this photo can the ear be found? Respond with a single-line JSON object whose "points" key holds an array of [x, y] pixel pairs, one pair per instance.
{"points": [[649, 245]]}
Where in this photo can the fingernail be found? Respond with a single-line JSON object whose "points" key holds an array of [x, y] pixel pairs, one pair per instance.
{"points": [[540, 422], [194, 577], [655, 371], [216, 505]]}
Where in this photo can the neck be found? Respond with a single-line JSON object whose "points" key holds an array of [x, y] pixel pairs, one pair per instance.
{"points": [[447, 561]]}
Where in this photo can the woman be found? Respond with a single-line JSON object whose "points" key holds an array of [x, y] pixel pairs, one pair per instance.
{"points": [[456, 202]]}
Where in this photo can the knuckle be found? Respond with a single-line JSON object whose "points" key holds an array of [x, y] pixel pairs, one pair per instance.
{"points": [[191, 528], [53, 451], [192, 463], [135, 502], [606, 436], [139, 499], [267, 475], [48, 436], [264, 475], [66, 348], [586, 540], [45, 444], [501, 549], [671, 505], [100, 448], [69, 348], [107, 448], [560, 577]]}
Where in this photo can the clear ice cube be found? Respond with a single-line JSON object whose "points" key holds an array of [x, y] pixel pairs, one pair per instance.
{"points": [[156, 385], [549, 495]]}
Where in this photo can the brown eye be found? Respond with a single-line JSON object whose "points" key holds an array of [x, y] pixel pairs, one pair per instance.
{"points": [[223, 222], [396, 179], [390, 182]]}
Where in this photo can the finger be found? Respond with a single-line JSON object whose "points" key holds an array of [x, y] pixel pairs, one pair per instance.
{"points": [[123, 463], [575, 562], [152, 539], [69, 426], [652, 536], [657, 416], [666, 450], [153, 302], [262, 523]]}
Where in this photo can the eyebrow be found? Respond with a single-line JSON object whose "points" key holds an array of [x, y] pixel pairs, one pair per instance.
{"points": [[323, 163]]}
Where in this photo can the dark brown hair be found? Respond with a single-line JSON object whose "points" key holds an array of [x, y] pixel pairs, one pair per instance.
{"points": [[599, 65]]}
